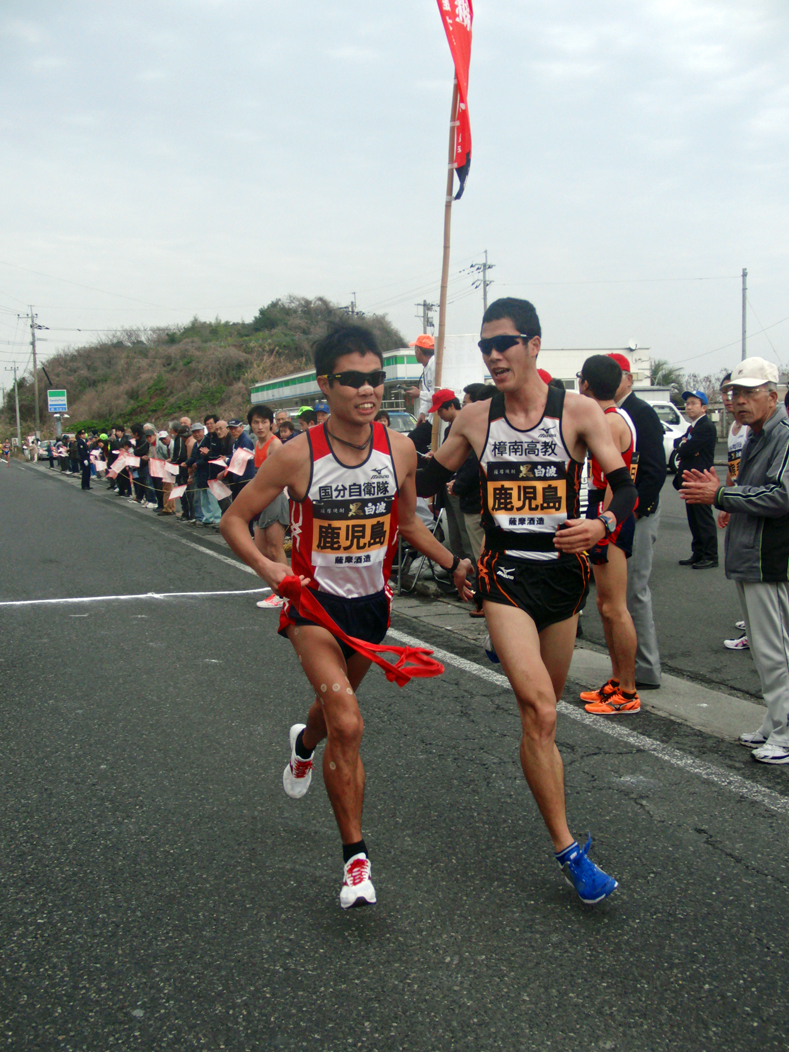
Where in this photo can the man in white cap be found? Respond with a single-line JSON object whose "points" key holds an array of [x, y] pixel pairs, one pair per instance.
{"points": [[757, 542], [424, 351]]}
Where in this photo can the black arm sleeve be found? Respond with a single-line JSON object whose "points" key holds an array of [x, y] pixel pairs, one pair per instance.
{"points": [[623, 494], [431, 477]]}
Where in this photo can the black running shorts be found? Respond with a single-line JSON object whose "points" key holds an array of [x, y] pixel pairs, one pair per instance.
{"points": [[364, 617], [549, 592]]}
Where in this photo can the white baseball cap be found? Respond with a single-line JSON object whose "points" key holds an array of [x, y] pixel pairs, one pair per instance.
{"points": [[752, 372]]}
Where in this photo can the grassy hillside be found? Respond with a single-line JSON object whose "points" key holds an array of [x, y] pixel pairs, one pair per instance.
{"points": [[157, 374]]}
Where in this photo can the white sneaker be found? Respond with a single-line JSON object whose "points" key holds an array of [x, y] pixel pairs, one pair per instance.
{"points": [[357, 888], [737, 644], [753, 740], [271, 602], [739, 625], [771, 754], [297, 775]]}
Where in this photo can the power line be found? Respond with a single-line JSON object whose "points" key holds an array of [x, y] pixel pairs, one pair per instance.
{"points": [[734, 343]]}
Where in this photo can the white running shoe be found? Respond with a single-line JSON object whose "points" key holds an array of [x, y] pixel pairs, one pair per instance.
{"points": [[357, 888], [752, 739], [737, 644], [739, 625], [271, 602], [297, 775], [770, 754]]}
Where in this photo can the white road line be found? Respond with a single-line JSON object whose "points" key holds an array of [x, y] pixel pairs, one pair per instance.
{"points": [[709, 772], [142, 595]]}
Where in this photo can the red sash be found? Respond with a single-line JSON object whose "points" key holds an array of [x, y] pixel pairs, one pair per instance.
{"points": [[413, 662]]}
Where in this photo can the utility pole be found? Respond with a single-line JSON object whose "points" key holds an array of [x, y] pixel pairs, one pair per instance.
{"points": [[35, 370], [16, 401], [424, 308], [744, 290], [483, 281], [351, 309]]}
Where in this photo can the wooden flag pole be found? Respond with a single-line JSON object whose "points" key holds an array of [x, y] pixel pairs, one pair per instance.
{"points": [[442, 303]]}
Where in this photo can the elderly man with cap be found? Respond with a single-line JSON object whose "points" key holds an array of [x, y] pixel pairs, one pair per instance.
{"points": [[424, 349], [756, 514], [696, 450], [650, 476], [197, 465]]}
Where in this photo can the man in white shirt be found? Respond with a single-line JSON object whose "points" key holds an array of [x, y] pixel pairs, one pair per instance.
{"points": [[424, 351]]}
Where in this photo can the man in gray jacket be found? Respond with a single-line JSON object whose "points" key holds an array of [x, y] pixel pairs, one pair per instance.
{"points": [[756, 514]]}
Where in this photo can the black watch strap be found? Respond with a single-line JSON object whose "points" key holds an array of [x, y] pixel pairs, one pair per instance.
{"points": [[455, 563]]}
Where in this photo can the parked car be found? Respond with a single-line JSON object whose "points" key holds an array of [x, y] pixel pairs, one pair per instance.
{"points": [[399, 420], [674, 424]]}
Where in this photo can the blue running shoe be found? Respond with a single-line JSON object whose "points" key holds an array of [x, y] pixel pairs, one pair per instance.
{"points": [[490, 653], [588, 879]]}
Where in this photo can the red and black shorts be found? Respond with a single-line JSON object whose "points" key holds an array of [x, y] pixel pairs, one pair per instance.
{"points": [[364, 617], [548, 591]]}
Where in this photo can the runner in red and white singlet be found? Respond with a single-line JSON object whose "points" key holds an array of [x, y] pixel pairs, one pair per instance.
{"points": [[351, 486], [600, 378]]}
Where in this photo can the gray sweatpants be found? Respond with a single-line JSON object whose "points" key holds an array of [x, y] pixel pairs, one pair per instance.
{"points": [[765, 607], [639, 599]]}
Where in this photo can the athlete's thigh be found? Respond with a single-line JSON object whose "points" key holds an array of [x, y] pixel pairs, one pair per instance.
{"points": [[357, 669], [322, 659], [514, 636], [557, 643]]}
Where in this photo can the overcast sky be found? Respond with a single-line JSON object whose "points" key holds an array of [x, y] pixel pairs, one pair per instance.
{"points": [[179, 157]]}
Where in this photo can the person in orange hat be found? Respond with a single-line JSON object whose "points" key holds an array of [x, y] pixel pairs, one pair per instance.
{"points": [[424, 352]]}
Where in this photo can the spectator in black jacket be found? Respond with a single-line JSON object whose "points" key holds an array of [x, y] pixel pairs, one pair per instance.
{"points": [[650, 476], [696, 449], [83, 456]]}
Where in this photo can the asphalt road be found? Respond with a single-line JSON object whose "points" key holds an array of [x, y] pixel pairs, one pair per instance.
{"points": [[161, 892]]}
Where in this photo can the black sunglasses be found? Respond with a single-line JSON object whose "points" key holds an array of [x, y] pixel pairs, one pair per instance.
{"points": [[501, 343], [353, 378]]}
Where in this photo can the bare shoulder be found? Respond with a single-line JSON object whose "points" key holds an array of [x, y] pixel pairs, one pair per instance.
{"points": [[403, 449], [581, 411], [472, 421], [291, 455]]}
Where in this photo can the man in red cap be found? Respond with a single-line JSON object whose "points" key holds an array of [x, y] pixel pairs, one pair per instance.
{"points": [[424, 351]]}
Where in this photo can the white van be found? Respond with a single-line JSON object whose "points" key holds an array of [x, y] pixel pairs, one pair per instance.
{"points": [[674, 424]]}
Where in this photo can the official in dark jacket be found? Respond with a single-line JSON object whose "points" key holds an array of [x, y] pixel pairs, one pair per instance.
{"points": [[696, 449], [83, 456]]}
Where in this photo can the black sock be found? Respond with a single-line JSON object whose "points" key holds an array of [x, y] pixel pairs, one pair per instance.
{"points": [[349, 850], [627, 694], [301, 751]]}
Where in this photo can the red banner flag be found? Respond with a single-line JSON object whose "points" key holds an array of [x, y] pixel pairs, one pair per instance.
{"points": [[457, 16]]}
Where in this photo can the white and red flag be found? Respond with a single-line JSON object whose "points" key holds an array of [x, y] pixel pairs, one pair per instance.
{"points": [[457, 16]]}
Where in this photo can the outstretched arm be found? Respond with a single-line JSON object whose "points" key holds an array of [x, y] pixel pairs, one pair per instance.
{"points": [[581, 534], [433, 476], [414, 530]]}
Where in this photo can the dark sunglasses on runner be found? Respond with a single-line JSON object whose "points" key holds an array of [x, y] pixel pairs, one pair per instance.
{"points": [[353, 378], [501, 343]]}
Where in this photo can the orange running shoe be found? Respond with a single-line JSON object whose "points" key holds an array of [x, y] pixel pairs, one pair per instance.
{"points": [[614, 704], [607, 689]]}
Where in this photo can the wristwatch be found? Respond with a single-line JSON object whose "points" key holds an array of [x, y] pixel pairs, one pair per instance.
{"points": [[609, 529]]}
